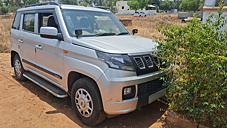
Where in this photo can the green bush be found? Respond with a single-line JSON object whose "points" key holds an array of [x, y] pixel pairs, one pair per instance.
{"points": [[13, 8], [5, 9], [199, 53]]}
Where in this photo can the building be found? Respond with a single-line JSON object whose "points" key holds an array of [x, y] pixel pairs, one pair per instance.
{"points": [[211, 7], [123, 8], [122, 5]]}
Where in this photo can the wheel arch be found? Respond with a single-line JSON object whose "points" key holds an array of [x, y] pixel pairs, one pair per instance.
{"points": [[74, 76], [13, 53]]}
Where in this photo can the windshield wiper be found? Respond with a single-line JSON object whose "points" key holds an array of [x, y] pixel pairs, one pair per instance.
{"points": [[123, 33], [105, 34]]}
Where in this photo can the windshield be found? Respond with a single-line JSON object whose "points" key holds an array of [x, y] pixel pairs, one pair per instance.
{"points": [[92, 23]]}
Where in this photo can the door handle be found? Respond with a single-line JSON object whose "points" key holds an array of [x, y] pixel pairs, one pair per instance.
{"points": [[38, 46], [20, 41]]}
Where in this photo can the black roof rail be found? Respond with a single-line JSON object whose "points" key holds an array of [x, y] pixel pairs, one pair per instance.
{"points": [[40, 4]]}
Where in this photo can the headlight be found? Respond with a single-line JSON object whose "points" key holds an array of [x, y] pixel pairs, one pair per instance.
{"points": [[116, 61]]}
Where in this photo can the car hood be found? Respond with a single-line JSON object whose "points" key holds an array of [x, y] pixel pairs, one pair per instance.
{"points": [[124, 44]]}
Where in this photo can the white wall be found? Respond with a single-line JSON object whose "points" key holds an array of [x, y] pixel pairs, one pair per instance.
{"points": [[207, 13], [131, 12], [210, 9], [183, 15], [122, 5]]}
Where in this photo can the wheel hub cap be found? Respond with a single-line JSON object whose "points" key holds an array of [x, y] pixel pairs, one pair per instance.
{"points": [[17, 67], [84, 102]]}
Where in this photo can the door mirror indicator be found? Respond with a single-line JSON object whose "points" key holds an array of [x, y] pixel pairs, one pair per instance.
{"points": [[134, 31], [78, 33]]}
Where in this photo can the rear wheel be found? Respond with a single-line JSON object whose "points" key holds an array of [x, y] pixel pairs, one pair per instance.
{"points": [[86, 102], [18, 68]]}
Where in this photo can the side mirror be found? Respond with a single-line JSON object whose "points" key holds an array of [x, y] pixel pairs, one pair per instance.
{"points": [[50, 32], [134, 31], [78, 33]]}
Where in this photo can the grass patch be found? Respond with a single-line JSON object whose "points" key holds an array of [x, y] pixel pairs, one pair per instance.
{"points": [[5, 26]]}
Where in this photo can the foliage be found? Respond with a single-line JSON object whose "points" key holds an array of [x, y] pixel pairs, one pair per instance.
{"points": [[5, 9], [71, 2], [199, 53], [138, 4], [110, 4], [155, 2], [133, 4], [27, 2], [190, 5], [84, 4], [13, 8], [166, 5], [18, 3], [176, 4]]}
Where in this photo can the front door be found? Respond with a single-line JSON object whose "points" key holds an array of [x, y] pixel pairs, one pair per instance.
{"points": [[49, 52]]}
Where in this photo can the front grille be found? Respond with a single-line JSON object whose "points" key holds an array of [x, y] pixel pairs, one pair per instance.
{"points": [[156, 60], [139, 62], [148, 61], [150, 87]]}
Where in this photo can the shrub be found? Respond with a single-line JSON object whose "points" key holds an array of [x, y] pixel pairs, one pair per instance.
{"points": [[199, 53], [5, 9]]}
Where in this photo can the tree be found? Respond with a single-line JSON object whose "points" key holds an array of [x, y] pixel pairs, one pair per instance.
{"points": [[110, 4], [5, 9], [176, 4], [190, 5], [138, 4], [1, 3], [133, 4], [84, 4], [71, 2], [154, 2], [166, 5]]}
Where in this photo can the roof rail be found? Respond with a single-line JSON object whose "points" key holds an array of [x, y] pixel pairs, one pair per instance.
{"points": [[40, 4]]}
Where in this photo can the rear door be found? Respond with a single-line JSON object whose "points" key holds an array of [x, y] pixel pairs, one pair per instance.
{"points": [[28, 39]]}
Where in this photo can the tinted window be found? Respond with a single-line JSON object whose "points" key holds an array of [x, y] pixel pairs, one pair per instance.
{"points": [[16, 22], [29, 22]]}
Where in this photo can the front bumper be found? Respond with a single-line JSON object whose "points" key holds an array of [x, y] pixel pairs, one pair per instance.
{"points": [[113, 81], [126, 106]]}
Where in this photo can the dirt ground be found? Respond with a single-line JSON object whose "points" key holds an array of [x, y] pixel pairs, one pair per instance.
{"points": [[26, 105]]}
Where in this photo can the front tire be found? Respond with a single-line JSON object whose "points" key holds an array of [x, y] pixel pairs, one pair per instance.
{"points": [[18, 68], [86, 102]]}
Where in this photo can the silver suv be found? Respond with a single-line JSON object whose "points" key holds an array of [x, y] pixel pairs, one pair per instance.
{"points": [[87, 54]]}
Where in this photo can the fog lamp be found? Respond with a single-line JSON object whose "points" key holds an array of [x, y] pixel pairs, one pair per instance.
{"points": [[128, 92]]}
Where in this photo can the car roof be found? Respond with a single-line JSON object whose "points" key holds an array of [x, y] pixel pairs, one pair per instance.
{"points": [[75, 7], [83, 8]]}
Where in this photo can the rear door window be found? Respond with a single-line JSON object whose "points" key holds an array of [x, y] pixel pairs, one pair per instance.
{"points": [[16, 22], [29, 22]]}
